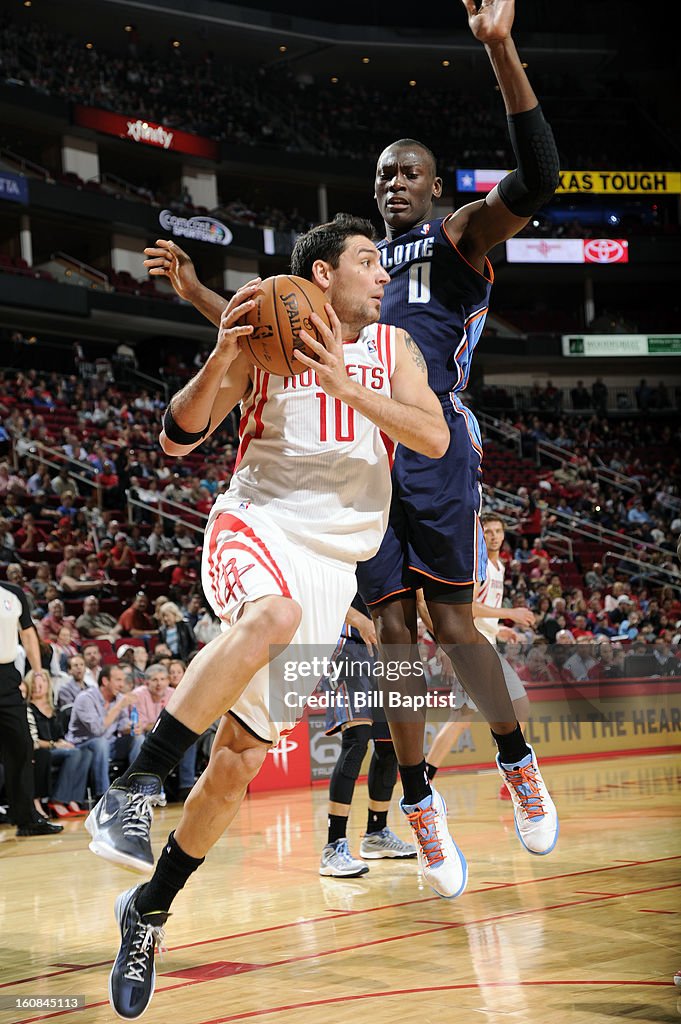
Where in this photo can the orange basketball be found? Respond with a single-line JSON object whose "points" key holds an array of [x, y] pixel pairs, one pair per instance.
{"points": [[283, 305]]}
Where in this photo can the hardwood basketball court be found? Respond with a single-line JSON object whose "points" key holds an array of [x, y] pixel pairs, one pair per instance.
{"points": [[587, 935]]}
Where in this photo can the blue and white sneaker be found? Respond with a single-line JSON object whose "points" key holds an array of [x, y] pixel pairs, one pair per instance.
{"points": [[338, 862], [536, 817], [377, 845], [133, 975], [441, 861]]}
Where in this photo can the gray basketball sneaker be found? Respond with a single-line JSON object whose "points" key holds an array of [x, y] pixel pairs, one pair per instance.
{"points": [[338, 862], [377, 845], [121, 821]]}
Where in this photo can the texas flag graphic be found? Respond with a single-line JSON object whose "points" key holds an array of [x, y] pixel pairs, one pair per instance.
{"points": [[478, 181]]}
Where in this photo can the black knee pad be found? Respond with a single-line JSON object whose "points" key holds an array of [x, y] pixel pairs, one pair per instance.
{"points": [[354, 743], [382, 771]]}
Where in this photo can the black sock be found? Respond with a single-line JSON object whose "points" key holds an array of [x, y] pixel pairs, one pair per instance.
{"points": [[161, 751], [172, 871], [512, 746], [415, 782], [431, 770], [337, 827], [377, 821]]}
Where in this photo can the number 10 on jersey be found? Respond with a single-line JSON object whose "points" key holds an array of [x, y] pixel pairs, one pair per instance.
{"points": [[336, 420]]}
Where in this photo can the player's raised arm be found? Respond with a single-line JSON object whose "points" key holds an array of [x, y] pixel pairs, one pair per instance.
{"points": [[198, 409], [413, 416], [167, 259], [511, 203]]}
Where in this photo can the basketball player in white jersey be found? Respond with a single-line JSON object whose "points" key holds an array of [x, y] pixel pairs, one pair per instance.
{"points": [[309, 497], [487, 603]]}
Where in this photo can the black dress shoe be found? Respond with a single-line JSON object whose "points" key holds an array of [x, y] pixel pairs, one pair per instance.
{"points": [[40, 828]]}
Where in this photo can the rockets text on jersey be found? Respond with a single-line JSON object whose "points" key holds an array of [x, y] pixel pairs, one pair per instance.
{"points": [[320, 468], [439, 298]]}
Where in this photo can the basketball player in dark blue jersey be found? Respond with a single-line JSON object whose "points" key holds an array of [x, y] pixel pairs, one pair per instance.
{"points": [[439, 292]]}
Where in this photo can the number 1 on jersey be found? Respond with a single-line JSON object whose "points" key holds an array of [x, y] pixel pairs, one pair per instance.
{"points": [[343, 416], [419, 282]]}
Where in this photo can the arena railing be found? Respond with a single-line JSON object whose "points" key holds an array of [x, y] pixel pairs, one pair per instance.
{"points": [[185, 516], [58, 459]]}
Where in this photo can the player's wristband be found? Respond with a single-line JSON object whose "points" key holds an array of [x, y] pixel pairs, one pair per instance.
{"points": [[175, 433]]}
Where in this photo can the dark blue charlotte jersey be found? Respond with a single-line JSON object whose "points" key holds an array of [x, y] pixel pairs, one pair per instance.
{"points": [[438, 298]]}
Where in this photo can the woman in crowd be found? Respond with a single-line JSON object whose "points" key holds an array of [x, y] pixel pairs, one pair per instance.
{"points": [[175, 632], [50, 749]]}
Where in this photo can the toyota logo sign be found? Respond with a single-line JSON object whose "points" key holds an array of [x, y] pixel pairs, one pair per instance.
{"points": [[606, 250]]}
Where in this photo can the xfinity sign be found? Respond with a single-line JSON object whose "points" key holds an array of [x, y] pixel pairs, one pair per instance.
{"points": [[199, 229]]}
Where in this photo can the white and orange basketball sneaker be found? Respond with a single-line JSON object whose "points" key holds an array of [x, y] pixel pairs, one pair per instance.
{"points": [[536, 818], [441, 861]]}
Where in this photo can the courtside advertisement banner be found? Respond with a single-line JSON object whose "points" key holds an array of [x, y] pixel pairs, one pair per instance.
{"points": [[567, 250], [621, 345], [145, 133], [584, 182]]}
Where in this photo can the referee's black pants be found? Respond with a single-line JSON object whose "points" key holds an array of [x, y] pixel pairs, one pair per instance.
{"points": [[16, 754]]}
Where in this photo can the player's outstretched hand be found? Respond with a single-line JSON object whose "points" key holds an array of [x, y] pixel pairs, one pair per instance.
{"points": [[329, 364], [166, 259], [230, 330], [523, 617], [490, 21]]}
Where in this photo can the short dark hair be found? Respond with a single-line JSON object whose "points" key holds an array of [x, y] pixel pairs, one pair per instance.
{"points": [[327, 242], [490, 517], [105, 674]]}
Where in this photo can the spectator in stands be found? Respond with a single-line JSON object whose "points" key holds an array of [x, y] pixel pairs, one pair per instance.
{"points": [[581, 399], [50, 748], [29, 536], [15, 575], [50, 625], [581, 627], [191, 610], [176, 670], [99, 720], [184, 575], [599, 396], [135, 620], [162, 655], [537, 668], [74, 682], [668, 664], [92, 656], [158, 543], [108, 482], [609, 663], [95, 624], [64, 647], [122, 555], [182, 539], [7, 543], [175, 632], [141, 657], [594, 578], [151, 700], [41, 581], [67, 507], [126, 656], [73, 579], [643, 395], [621, 611]]}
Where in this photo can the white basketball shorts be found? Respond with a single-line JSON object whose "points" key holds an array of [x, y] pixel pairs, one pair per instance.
{"points": [[246, 556]]}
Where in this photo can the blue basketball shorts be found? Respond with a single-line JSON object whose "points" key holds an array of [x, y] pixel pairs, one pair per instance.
{"points": [[434, 529]]}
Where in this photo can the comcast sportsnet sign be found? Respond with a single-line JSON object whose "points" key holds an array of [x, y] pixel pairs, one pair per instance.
{"points": [[145, 133]]}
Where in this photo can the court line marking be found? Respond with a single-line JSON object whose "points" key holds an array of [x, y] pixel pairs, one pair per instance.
{"points": [[378, 942], [353, 913]]}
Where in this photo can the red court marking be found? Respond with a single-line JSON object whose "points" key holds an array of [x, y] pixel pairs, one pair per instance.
{"points": [[658, 911], [369, 910], [417, 991], [377, 942], [209, 972]]}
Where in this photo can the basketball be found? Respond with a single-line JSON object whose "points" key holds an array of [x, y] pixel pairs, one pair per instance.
{"points": [[283, 305]]}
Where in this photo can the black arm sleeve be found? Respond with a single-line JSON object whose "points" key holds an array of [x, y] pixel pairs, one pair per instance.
{"points": [[535, 179], [175, 433]]}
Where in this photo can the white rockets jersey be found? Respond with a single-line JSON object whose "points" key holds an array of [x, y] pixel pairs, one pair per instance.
{"points": [[320, 468], [491, 593]]}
